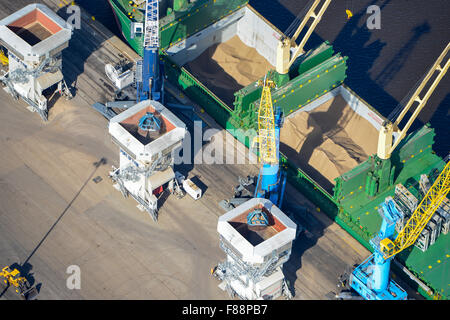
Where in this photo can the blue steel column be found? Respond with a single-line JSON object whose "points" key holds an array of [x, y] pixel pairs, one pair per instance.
{"points": [[151, 86], [381, 272], [381, 267], [150, 72], [270, 175], [371, 278]]}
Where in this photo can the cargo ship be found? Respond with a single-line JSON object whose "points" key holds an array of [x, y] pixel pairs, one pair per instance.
{"points": [[179, 19], [217, 50]]}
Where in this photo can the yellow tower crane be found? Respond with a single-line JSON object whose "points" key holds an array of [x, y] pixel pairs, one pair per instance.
{"points": [[266, 125], [421, 216], [271, 180], [284, 57], [386, 145]]}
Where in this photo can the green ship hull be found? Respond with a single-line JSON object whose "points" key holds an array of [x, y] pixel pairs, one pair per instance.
{"points": [[176, 25], [124, 24], [355, 198]]}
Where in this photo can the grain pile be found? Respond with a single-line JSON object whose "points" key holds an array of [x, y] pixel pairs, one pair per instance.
{"points": [[328, 141], [228, 67]]}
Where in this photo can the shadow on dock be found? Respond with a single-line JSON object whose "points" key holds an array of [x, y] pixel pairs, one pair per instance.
{"points": [[313, 229]]}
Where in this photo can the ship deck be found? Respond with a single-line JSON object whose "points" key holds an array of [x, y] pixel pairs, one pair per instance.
{"points": [[432, 264], [327, 141], [53, 215]]}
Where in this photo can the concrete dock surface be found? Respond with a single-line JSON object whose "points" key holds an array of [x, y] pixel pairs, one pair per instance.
{"points": [[53, 215]]}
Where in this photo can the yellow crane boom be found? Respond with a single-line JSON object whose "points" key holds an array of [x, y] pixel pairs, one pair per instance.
{"points": [[385, 139], [419, 219], [266, 125]]}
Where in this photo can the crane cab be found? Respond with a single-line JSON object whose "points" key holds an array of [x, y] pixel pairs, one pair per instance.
{"points": [[386, 246]]}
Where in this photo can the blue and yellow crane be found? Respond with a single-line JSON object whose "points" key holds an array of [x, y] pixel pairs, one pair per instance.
{"points": [[271, 179], [371, 278]]}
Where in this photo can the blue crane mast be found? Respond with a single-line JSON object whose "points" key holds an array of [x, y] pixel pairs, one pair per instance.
{"points": [[371, 278], [271, 179], [149, 80], [148, 76]]}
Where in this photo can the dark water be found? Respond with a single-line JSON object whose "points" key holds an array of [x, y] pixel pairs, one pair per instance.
{"points": [[384, 65]]}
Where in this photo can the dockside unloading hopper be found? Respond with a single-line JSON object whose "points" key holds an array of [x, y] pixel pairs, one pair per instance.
{"points": [[147, 134], [35, 37], [255, 254]]}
